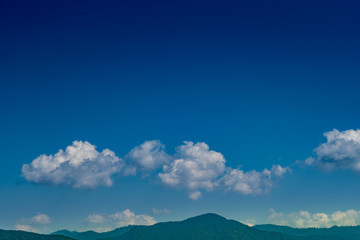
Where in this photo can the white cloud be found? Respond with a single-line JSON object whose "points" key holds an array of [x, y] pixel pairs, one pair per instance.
{"points": [[160, 211], [102, 223], [27, 224], [305, 219], [127, 217], [195, 195], [40, 218], [24, 227], [342, 150], [95, 218], [195, 167], [80, 166], [252, 182], [147, 157]]}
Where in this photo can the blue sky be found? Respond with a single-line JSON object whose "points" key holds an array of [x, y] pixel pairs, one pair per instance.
{"points": [[258, 83]]}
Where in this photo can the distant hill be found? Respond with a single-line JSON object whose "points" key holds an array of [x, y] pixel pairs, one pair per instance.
{"points": [[22, 235], [344, 233], [91, 235], [204, 227]]}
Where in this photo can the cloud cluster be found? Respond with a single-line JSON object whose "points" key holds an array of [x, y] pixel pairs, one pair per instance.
{"points": [[341, 150], [27, 224], [127, 217], [79, 166], [196, 168], [118, 219], [252, 182], [305, 219], [193, 168]]}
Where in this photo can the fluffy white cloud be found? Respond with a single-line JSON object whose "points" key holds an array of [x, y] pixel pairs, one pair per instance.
{"points": [[252, 182], [40, 218], [195, 167], [95, 218], [342, 150], [80, 166], [305, 219], [127, 217], [147, 157]]}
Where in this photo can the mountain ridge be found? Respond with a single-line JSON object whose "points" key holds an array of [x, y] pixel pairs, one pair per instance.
{"points": [[209, 226], [344, 232]]}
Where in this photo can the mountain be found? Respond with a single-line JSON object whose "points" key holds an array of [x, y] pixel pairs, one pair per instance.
{"points": [[22, 235], [67, 233], [344, 233], [204, 227], [91, 235]]}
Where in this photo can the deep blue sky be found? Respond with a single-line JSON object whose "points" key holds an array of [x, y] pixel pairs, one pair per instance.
{"points": [[258, 81]]}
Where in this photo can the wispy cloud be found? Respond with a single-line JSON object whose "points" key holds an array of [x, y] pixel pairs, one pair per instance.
{"points": [[127, 217], [103, 222], [95, 218], [27, 228], [33, 223], [160, 211], [305, 219]]}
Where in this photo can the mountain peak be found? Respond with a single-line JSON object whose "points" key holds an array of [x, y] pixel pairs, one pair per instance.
{"points": [[210, 215]]}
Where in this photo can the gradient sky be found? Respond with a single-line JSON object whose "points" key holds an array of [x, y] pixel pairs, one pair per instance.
{"points": [[259, 82]]}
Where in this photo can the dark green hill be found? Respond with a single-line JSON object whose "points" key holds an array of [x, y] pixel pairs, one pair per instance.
{"points": [[67, 233], [204, 227], [22, 235], [345, 233], [91, 235]]}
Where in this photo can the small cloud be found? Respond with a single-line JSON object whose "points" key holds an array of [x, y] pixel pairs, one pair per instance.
{"points": [[95, 218], [40, 219], [195, 195], [147, 157], [160, 211]]}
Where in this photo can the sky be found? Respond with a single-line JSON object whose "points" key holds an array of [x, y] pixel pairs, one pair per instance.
{"points": [[137, 112]]}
